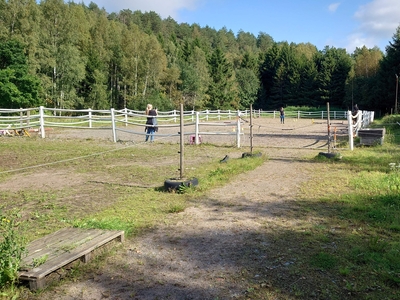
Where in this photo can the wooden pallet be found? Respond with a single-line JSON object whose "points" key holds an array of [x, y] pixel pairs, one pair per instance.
{"points": [[60, 248]]}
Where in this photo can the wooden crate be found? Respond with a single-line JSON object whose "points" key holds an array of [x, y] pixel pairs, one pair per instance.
{"points": [[61, 248]]}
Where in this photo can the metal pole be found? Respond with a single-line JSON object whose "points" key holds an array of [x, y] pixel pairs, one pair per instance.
{"points": [[251, 128], [397, 89]]}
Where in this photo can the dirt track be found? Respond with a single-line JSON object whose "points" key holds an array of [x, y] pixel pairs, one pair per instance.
{"points": [[295, 133]]}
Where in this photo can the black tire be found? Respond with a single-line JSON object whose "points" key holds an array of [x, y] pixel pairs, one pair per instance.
{"points": [[225, 159], [174, 184], [248, 154], [330, 155]]}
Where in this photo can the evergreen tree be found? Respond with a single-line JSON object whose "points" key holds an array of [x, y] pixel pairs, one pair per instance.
{"points": [[93, 88], [264, 42], [385, 97], [267, 73], [219, 91], [249, 85], [18, 88], [85, 57], [195, 79], [333, 67]]}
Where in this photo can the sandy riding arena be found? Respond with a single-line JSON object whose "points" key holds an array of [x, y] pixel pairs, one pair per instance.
{"points": [[267, 132]]}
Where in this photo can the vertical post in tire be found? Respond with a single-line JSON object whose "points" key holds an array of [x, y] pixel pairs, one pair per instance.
{"points": [[251, 128], [329, 128], [182, 142]]}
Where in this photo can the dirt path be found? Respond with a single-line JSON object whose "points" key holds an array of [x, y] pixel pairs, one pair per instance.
{"points": [[203, 252]]}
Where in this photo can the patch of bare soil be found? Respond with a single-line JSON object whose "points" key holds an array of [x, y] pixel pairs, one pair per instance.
{"points": [[236, 242]]}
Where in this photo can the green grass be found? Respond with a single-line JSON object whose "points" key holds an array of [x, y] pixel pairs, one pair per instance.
{"points": [[142, 209], [357, 202], [311, 109]]}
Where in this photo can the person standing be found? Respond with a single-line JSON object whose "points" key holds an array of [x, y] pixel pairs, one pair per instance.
{"points": [[282, 115], [151, 122]]}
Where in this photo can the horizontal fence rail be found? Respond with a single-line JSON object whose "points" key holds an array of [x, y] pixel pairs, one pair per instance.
{"points": [[134, 122]]}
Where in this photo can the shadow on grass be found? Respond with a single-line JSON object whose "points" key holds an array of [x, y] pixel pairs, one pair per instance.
{"points": [[290, 250]]}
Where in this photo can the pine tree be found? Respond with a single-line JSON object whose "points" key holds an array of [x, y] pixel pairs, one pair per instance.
{"points": [[18, 88], [221, 95], [386, 83]]}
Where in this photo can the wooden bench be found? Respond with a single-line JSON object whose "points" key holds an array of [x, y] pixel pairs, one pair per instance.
{"points": [[60, 248], [371, 136]]}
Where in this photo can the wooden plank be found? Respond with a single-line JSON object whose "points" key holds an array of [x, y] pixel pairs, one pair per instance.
{"points": [[371, 136], [68, 256], [65, 246], [61, 248], [52, 244], [371, 141], [52, 241], [372, 132]]}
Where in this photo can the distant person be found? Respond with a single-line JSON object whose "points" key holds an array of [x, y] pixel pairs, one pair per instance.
{"points": [[151, 122], [282, 115]]}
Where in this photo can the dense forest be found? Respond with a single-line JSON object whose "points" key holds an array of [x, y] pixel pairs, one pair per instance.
{"points": [[69, 55]]}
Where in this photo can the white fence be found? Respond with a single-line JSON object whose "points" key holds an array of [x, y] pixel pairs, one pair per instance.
{"points": [[38, 119], [361, 120], [130, 121]]}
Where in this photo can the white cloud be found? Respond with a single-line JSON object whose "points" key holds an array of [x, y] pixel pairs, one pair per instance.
{"points": [[333, 7], [378, 21], [359, 40], [164, 8]]}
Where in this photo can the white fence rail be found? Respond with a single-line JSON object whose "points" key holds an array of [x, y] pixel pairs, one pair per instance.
{"points": [[361, 120], [131, 121]]}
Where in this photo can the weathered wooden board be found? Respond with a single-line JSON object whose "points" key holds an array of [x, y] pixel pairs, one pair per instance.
{"points": [[60, 248], [371, 136]]}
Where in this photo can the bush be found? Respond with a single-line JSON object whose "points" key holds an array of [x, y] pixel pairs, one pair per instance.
{"points": [[12, 248]]}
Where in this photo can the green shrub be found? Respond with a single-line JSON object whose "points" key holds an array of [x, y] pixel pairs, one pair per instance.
{"points": [[12, 248]]}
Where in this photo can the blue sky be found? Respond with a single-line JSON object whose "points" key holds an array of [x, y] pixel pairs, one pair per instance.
{"points": [[342, 24]]}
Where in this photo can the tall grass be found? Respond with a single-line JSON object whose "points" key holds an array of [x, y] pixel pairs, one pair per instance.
{"points": [[360, 196]]}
